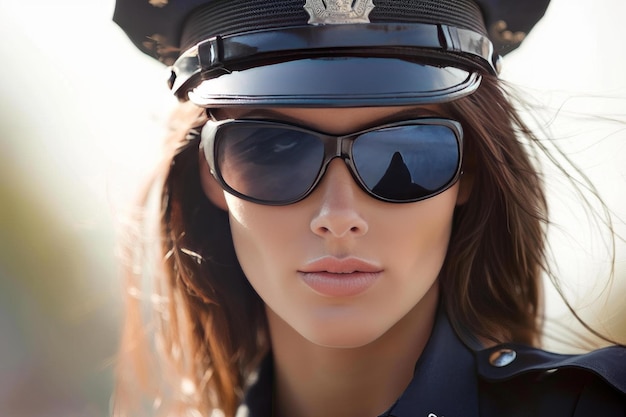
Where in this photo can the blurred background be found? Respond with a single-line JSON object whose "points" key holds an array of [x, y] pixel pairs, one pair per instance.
{"points": [[82, 114]]}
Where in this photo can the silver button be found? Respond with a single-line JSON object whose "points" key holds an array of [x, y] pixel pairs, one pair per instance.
{"points": [[503, 357]]}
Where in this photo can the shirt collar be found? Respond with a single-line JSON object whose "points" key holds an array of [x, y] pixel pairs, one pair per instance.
{"points": [[444, 382]]}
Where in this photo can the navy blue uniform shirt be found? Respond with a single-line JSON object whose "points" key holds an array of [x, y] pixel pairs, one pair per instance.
{"points": [[452, 380]]}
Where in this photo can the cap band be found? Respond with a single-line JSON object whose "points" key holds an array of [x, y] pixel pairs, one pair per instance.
{"points": [[227, 17]]}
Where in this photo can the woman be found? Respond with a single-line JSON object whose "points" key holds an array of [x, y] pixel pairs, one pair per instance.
{"points": [[351, 222]]}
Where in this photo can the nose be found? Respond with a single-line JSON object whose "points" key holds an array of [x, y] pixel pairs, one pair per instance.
{"points": [[338, 214]]}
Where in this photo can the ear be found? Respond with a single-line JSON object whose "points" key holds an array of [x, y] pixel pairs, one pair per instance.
{"points": [[466, 183], [211, 188]]}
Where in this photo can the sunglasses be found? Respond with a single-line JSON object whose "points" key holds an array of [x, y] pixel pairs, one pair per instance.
{"points": [[275, 163]]}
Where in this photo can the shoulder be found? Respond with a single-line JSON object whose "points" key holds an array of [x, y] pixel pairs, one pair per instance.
{"points": [[519, 380]]}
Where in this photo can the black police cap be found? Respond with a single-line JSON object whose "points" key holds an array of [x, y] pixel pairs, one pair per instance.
{"points": [[326, 52]]}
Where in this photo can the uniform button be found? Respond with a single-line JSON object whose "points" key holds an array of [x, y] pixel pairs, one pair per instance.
{"points": [[503, 357]]}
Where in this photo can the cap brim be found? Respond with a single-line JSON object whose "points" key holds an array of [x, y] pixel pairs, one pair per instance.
{"points": [[337, 82]]}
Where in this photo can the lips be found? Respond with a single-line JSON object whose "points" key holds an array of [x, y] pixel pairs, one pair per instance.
{"points": [[340, 277]]}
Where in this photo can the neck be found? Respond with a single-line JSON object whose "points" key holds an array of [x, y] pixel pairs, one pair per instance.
{"points": [[313, 380]]}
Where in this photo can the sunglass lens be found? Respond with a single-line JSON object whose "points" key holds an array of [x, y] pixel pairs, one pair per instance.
{"points": [[270, 164], [407, 162]]}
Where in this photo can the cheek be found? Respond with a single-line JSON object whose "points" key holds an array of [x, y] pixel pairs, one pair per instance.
{"points": [[421, 233], [249, 231], [264, 238]]}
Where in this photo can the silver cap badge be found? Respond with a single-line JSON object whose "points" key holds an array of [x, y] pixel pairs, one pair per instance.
{"points": [[336, 12]]}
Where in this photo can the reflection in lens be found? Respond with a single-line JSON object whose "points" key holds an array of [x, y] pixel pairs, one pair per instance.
{"points": [[407, 162], [273, 164]]}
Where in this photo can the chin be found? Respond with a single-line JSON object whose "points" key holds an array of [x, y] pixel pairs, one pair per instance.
{"points": [[343, 341], [343, 332]]}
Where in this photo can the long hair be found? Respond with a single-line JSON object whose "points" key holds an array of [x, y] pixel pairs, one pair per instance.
{"points": [[491, 279], [205, 328], [210, 330]]}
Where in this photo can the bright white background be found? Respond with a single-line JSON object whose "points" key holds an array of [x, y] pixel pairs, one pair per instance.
{"points": [[81, 119]]}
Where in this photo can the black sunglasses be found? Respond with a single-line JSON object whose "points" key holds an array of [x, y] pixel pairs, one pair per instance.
{"points": [[275, 163]]}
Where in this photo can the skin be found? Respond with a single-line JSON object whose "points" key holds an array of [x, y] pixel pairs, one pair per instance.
{"points": [[348, 355]]}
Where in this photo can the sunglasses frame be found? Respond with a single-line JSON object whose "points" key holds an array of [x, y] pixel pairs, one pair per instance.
{"points": [[334, 147]]}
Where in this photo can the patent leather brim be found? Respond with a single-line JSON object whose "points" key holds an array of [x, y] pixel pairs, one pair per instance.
{"points": [[337, 82]]}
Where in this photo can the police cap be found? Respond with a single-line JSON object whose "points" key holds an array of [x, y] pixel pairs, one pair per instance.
{"points": [[326, 52]]}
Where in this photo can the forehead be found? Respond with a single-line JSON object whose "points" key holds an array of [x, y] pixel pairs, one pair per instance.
{"points": [[334, 120]]}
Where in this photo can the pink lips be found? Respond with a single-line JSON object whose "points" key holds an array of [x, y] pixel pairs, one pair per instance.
{"points": [[339, 277]]}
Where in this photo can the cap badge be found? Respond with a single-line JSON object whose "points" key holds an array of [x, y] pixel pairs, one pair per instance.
{"points": [[336, 12]]}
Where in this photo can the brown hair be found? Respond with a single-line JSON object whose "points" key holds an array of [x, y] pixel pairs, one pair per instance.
{"points": [[491, 280], [210, 332]]}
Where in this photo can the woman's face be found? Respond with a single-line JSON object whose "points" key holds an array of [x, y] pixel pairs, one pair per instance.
{"points": [[339, 267]]}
